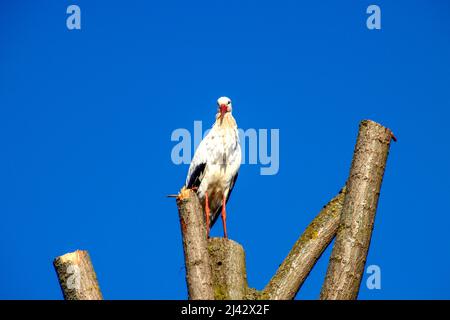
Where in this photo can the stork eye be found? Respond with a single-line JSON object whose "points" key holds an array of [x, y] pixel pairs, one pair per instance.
{"points": [[229, 102]]}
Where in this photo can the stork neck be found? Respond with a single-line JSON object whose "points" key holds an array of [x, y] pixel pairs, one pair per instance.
{"points": [[227, 121]]}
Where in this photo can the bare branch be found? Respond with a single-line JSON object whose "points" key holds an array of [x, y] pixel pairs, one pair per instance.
{"points": [[193, 230], [306, 251], [349, 253], [77, 277]]}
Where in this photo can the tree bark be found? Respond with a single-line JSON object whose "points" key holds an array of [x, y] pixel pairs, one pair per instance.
{"points": [[348, 258], [306, 251], [193, 230], [227, 261], [77, 277]]}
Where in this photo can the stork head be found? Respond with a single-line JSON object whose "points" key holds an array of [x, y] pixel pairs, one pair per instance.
{"points": [[224, 104]]}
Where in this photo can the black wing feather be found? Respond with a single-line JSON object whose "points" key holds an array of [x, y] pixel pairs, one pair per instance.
{"points": [[196, 176]]}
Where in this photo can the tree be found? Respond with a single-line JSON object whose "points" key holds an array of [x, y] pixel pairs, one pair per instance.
{"points": [[215, 267]]}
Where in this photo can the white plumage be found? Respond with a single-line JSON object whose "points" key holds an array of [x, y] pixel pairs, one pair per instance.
{"points": [[215, 165]]}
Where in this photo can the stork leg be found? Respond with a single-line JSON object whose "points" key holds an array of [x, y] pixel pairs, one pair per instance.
{"points": [[207, 213], [224, 217]]}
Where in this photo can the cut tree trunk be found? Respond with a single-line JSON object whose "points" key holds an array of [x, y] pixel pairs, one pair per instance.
{"points": [[227, 262], [348, 258], [77, 277], [193, 231]]}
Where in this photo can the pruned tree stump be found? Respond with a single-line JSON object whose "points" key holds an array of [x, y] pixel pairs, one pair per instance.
{"points": [[77, 277], [227, 261]]}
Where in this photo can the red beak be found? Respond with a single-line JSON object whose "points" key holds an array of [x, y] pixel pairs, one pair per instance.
{"points": [[223, 110]]}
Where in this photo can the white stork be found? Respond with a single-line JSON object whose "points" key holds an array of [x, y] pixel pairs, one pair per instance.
{"points": [[214, 168]]}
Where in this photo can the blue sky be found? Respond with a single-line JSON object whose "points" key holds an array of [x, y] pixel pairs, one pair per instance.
{"points": [[86, 118]]}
